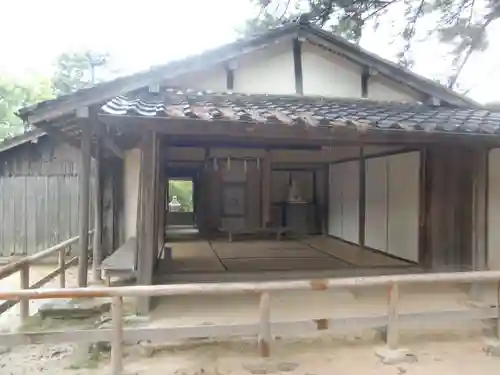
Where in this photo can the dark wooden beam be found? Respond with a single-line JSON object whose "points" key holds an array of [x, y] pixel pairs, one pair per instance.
{"points": [[297, 64], [112, 146], [252, 132], [84, 190], [229, 79], [480, 204], [479, 230], [266, 189], [108, 141], [365, 76], [97, 243], [59, 134], [424, 254], [146, 219]]}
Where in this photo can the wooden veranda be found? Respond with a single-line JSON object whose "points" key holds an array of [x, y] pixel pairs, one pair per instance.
{"points": [[442, 202]]}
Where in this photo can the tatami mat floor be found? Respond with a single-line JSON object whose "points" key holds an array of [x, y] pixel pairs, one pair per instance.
{"points": [[312, 253]]}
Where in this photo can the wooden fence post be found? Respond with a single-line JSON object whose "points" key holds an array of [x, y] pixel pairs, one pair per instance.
{"points": [[264, 342], [117, 336], [97, 245], [25, 284], [62, 268], [392, 337], [498, 311], [84, 190]]}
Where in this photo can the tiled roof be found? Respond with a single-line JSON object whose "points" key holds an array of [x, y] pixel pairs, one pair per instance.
{"points": [[50, 110], [303, 111]]}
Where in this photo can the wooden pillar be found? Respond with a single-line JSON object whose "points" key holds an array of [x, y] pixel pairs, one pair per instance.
{"points": [[362, 197], [84, 183], [110, 188], [97, 245], [479, 217], [146, 240], [156, 198], [161, 200], [479, 210], [266, 189]]}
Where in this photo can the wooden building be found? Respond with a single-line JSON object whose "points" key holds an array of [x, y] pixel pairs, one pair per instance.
{"points": [[39, 195], [297, 134]]}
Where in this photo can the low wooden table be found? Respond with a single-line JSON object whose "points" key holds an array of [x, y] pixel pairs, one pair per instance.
{"points": [[279, 231]]}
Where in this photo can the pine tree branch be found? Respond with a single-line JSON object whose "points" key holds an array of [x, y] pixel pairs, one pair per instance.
{"points": [[472, 47], [384, 6]]}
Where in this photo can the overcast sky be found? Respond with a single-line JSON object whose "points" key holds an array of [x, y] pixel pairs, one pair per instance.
{"points": [[140, 33]]}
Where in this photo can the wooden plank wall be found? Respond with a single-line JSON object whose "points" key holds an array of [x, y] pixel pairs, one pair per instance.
{"points": [[449, 219], [38, 197]]}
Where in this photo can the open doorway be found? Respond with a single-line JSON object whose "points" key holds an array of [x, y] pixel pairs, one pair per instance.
{"points": [[180, 198]]}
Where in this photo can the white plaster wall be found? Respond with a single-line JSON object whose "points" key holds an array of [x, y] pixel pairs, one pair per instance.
{"points": [[267, 72], [392, 204], [376, 203], [327, 75], [271, 71], [380, 88], [403, 205], [343, 205], [350, 201], [493, 235], [132, 163], [335, 201], [211, 79]]}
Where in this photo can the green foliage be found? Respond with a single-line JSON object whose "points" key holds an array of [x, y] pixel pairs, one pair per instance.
{"points": [[73, 71], [183, 190], [77, 70], [16, 94], [459, 23]]}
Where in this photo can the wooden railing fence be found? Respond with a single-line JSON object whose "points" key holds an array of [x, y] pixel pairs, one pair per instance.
{"points": [[23, 267], [393, 320]]}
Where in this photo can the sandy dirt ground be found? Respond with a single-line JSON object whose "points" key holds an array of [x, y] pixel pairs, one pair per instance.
{"points": [[10, 319], [444, 353], [325, 357]]}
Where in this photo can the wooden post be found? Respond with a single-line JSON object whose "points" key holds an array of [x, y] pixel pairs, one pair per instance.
{"points": [[146, 240], [479, 217], [392, 322], [117, 336], [25, 284], [264, 342], [84, 204], [498, 312], [266, 190], [96, 247], [161, 203], [62, 268], [362, 198]]}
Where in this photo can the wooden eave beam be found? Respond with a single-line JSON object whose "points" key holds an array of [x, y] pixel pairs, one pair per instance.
{"points": [[297, 65], [280, 132], [112, 146], [59, 134]]}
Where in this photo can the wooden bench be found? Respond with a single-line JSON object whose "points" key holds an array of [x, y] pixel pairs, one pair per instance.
{"points": [[121, 263]]}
